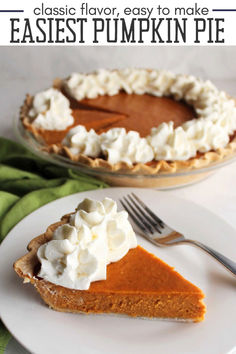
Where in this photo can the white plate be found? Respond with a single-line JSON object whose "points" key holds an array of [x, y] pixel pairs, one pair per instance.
{"points": [[42, 330]]}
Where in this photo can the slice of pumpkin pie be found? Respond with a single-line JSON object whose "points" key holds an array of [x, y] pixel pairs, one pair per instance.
{"points": [[89, 262]]}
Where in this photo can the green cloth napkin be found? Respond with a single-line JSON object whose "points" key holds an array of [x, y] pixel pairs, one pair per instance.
{"points": [[28, 182]]}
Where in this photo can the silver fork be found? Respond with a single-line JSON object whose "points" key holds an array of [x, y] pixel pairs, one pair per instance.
{"points": [[155, 230]]}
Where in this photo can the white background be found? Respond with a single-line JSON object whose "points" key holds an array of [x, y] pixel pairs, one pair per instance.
{"points": [[31, 69]]}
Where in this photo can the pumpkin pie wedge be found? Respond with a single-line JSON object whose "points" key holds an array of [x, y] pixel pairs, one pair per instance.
{"points": [[89, 118], [138, 285]]}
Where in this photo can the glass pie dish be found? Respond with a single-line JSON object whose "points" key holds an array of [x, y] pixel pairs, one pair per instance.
{"points": [[161, 180]]}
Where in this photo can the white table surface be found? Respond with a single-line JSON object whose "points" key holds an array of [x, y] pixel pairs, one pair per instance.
{"points": [[217, 193]]}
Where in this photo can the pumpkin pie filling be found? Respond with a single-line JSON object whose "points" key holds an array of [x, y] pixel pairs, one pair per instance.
{"points": [[132, 112], [139, 285], [93, 119], [143, 112]]}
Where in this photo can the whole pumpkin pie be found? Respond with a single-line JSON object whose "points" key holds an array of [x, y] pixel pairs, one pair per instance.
{"points": [[134, 120], [68, 269]]}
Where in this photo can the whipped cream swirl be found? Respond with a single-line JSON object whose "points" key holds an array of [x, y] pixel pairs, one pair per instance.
{"points": [[119, 146], [80, 250], [116, 145], [51, 110], [170, 144], [81, 141], [215, 113]]}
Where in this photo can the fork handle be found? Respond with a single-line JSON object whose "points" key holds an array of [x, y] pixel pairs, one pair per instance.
{"points": [[228, 263]]}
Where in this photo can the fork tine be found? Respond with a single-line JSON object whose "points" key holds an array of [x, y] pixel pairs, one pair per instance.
{"points": [[140, 216], [142, 211], [149, 211], [137, 220]]}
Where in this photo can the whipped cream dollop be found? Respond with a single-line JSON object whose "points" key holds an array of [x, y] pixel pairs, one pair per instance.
{"points": [[79, 252], [116, 145], [51, 110], [81, 141], [119, 146], [170, 144], [215, 113]]}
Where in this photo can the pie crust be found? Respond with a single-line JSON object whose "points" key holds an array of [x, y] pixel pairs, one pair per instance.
{"points": [[161, 292]]}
